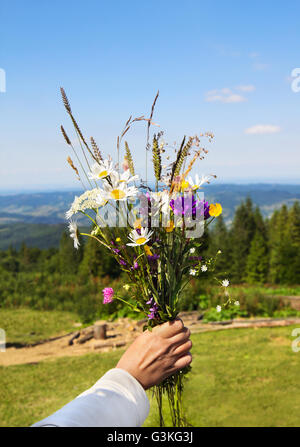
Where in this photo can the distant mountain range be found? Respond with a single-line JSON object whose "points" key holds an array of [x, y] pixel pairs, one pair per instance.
{"points": [[39, 218]]}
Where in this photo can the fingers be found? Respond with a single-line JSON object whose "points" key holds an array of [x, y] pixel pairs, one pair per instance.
{"points": [[181, 337], [170, 328], [183, 348], [182, 362]]}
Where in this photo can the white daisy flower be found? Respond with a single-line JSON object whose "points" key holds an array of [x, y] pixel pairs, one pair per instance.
{"points": [[193, 272], [199, 181], [225, 283], [101, 170], [140, 237], [74, 233], [219, 308], [204, 268], [124, 177], [192, 250], [236, 303], [117, 191]]}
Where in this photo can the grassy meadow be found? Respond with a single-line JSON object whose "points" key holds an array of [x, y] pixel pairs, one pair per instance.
{"points": [[28, 326], [242, 377]]}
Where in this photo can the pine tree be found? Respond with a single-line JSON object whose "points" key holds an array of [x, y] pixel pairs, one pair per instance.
{"points": [[258, 260], [219, 240], [241, 234], [294, 224], [69, 258], [280, 246], [97, 261], [260, 224], [294, 232]]}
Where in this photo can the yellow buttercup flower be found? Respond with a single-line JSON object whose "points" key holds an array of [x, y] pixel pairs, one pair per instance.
{"points": [[148, 250], [118, 239], [170, 227], [184, 184], [215, 209]]}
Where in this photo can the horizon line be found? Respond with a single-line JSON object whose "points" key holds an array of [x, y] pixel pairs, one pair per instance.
{"points": [[58, 188]]}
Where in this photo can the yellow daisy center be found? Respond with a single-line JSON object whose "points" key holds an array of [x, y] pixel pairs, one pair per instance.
{"points": [[117, 194], [103, 174], [141, 240]]}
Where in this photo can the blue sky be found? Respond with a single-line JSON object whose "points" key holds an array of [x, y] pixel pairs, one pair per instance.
{"points": [[223, 67]]}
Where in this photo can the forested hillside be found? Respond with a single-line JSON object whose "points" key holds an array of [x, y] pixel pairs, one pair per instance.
{"points": [[38, 219], [255, 251]]}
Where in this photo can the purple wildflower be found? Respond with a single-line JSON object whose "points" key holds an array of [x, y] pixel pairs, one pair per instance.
{"points": [[108, 293], [153, 257], [182, 206], [204, 207], [153, 310]]}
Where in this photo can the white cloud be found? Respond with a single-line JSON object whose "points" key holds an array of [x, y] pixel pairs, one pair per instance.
{"points": [[227, 95], [261, 129], [226, 91], [234, 98], [213, 98], [224, 95], [246, 88]]}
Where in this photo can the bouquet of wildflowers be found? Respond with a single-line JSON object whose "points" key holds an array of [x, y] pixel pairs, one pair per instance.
{"points": [[155, 234]]}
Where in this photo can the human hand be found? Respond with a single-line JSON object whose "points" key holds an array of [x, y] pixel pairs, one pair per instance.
{"points": [[155, 355]]}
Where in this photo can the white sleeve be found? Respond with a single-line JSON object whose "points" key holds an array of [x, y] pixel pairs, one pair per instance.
{"points": [[116, 400]]}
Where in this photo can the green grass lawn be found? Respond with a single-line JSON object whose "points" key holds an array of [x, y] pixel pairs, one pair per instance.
{"points": [[28, 326], [241, 377]]}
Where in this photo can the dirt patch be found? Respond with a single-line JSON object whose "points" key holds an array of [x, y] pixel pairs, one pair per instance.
{"points": [[120, 334]]}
